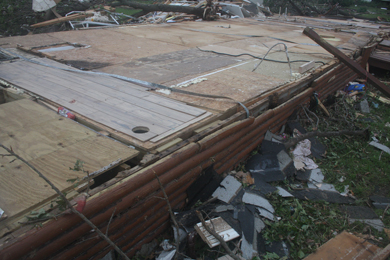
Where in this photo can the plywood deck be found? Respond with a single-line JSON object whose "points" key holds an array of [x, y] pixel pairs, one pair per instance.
{"points": [[52, 144], [112, 102]]}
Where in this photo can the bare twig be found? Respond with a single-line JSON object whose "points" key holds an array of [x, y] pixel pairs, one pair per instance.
{"points": [[108, 225], [4, 155], [384, 212], [295, 140], [70, 205], [218, 237], [177, 242]]}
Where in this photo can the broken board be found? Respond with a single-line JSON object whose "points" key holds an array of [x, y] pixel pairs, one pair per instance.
{"points": [[345, 246], [52, 144], [221, 227], [120, 105]]}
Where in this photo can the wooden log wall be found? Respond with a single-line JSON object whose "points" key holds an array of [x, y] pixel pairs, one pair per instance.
{"points": [[140, 215]]}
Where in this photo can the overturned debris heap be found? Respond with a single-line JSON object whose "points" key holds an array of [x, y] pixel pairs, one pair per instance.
{"points": [[210, 104]]}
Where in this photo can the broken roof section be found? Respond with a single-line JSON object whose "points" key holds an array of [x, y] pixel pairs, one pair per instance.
{"points": [[167, 54], [204, 58]]}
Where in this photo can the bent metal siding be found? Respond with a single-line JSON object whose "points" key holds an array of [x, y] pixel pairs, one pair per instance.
{"points": [[140, 215]]}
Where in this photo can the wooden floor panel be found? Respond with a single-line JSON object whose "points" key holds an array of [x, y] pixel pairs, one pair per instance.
{"points": [[52, 144], [113, 102]]}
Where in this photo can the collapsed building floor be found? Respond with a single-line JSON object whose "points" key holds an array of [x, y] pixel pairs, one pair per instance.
{"points": [[183, 98]]}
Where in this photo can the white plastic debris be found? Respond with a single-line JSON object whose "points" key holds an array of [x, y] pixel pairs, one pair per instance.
{"points": [[380, 146], [300, 152], [43, 5], [166, 246], [98, 17]]}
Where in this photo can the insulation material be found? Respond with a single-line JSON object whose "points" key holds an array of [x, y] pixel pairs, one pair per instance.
{"points": [[301, 151]]}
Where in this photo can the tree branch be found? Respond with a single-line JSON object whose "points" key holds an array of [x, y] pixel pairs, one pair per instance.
{"points": [[161, 7], [177, 242], [68, 204]]}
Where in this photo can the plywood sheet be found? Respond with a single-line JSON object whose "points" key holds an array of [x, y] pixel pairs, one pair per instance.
{"points": [[112, 102], [52, 144]]}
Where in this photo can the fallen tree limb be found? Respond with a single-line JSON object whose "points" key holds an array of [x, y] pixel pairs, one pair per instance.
{"points": [[161, 7], [218, 237], [293, 141], [86, 220], [60, 20]]}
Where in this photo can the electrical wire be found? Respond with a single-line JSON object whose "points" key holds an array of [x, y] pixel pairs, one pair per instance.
{"points": [[286, 51], [257, 57], [142, 83]]}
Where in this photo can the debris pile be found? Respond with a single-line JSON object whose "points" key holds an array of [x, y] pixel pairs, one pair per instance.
{"points": [[168, 12], [241, 210]]}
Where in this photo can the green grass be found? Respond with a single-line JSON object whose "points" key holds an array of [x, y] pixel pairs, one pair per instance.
{"points": [[370, 10], [127, 11], [306, 225]]}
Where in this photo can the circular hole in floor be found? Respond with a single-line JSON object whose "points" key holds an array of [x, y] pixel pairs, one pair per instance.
{"points": [[140, 129]]}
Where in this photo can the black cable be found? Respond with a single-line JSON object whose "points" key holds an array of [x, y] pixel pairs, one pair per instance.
{"points": [[256, 57]]}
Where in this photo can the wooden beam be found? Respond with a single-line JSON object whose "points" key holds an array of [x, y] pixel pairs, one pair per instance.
{"points": [[62, 19], [366, 52], [347, 61]]}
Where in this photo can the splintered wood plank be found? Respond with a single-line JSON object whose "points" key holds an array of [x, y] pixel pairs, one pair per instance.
{"points": [[52, 144], [345, 246]]}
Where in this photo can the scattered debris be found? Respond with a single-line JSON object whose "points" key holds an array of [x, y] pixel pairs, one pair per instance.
{"points": [[257, 200], [43, 5], [301, 161], [227, 189], [380, 202], [322, 186], [364, 107], [244, 177], [282, 192], [317, 195], [380, 146], [266, 167]]}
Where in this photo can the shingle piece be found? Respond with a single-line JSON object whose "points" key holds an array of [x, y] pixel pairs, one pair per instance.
{"points": [[229, 188], [257, 200]]}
